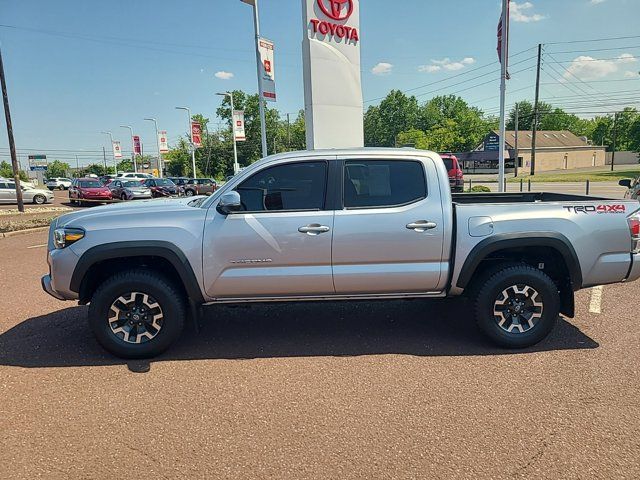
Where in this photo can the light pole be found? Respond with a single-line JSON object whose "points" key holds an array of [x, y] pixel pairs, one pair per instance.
{"points": [[192, 146], [115, 165], [263, 122], [155, 122], [133, 148], [236, 167]]}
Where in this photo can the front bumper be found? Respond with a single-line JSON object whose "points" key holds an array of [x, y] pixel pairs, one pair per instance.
{"points": [[45, 281]]}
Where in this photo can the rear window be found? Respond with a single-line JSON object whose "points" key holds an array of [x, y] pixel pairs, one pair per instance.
{"points": [[383, 183], [448, 163], [131, 183], [90, 184]]}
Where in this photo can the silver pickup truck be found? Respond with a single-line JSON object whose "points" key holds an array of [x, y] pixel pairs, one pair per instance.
{"points": [[339, 225]]}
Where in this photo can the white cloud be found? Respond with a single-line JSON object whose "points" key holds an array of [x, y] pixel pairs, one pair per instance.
{"points": [[521, 12], [596, 2], [585, 67], [630, 74], [446, 64], [382, 68], [222, 75]]}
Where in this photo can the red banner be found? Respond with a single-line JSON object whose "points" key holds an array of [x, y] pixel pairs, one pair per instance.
{"points": [[196, 134], [137, 146]]}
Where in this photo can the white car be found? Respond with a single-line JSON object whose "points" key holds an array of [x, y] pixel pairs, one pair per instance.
{"points": [[135, 176], [29, 194], [58, 183]]}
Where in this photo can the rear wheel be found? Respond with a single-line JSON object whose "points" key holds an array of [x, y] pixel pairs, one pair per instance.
{"points": [[123, 197], [137, 314], [516, 306]]}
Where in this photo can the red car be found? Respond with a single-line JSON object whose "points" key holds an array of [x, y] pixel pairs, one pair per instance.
{"points": [[90, 189], [456, 178]]}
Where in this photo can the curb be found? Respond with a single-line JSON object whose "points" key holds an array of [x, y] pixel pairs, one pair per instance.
{"points": [[23, 232]]}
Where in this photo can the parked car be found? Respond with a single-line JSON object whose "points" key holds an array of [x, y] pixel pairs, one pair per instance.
{"points": [[58, 183], [456, 177], [88, 190], [161, 187], [29, 194], [130, 189], [633, 187], [133, 176], [180, 182], [200, 186], [335, 225]]}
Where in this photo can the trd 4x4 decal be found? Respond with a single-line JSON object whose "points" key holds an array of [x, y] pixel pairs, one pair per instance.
{"points": [[595, 208]]}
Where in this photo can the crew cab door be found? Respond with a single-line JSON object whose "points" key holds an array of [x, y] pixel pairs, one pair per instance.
{"points": [[388, 236], [279, 244]]}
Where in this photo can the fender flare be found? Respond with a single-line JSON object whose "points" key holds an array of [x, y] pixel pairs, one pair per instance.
{"points": [[554, 240], [145, 248]]}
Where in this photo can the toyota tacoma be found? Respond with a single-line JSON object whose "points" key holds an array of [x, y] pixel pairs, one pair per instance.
{"points": [[339, 225]]}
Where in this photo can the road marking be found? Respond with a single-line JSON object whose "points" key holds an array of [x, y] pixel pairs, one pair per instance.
{"points": [[596, 299], [37, 246]]}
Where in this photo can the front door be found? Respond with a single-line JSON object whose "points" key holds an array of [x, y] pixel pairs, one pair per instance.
{"points": [[8, 192], [388, 237], [279, 244]]}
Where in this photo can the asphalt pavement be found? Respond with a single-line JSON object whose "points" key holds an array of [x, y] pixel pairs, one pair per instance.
{"points": [[397, 389]]}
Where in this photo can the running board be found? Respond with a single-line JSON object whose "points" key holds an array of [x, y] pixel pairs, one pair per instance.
{"points": [[317, 298]]}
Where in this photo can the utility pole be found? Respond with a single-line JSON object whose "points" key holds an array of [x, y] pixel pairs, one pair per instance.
{"points": [[104, 159], [155, 122], [115, 164], [236, 165], [613, 146], [133, 148], [77, 167], [516, 143], [191, 145], [504, 56], [12, 144], [534, 126]]}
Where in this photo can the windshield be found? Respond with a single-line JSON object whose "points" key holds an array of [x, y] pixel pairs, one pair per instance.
{"points": [[164, 182], [131, 183], [90, 184]]}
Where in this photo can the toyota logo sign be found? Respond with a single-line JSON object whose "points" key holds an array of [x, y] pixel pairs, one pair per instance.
{"points": [[336, 9]]}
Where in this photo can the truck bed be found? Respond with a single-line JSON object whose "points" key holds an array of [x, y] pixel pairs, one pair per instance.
{"points": [[521, 197]]}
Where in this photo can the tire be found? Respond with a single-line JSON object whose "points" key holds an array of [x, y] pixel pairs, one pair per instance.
{"points": [[516, 306], [189, 193], [123, 197], [39, 199], [158, 291]]}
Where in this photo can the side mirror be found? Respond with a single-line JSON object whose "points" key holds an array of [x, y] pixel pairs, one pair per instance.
{"points": [[625, 182], [229, 202]]}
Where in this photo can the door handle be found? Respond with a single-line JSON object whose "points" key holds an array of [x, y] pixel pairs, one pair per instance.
{"points": [[421, 226], [314, 229]]}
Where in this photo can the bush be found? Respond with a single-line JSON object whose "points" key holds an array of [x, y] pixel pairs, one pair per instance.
{"points": [[480, 189]]}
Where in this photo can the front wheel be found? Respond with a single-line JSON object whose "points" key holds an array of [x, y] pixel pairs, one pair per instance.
{"points": [[39, 199], [516, 306], [189, 193], [137, 314]]}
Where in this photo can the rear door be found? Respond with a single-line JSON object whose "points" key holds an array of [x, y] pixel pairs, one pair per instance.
{"points": [[388, 236], [279, 245]]}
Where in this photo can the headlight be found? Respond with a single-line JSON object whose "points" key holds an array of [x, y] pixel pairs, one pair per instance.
{"points": [[63, 237]]}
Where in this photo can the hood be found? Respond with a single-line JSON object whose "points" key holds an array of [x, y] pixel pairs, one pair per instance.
{"points": [[127, 213]]}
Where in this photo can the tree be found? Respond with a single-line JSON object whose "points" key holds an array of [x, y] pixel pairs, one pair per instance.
{"points": [[57, 169], [6, 171]]}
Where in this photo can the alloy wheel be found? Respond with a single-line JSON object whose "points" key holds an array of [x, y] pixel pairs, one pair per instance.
{"points": [[518, 308], [135, 317]]}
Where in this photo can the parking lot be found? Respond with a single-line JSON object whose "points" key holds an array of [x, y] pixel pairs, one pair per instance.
{"points": [[403, 389]]}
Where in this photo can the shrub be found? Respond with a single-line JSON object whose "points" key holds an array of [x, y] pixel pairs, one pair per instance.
{"points": [[480, 189]]}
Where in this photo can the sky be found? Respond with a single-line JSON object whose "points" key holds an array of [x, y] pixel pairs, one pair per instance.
{"points": [[76, 68]]}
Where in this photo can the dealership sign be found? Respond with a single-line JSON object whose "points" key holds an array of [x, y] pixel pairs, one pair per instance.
{"points": [[163, 142], [238, 126], [196, 134], [332, 83], [268, 76], [117, 150]]}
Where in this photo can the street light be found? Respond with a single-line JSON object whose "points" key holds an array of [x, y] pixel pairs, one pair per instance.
{"points": [[263, 122], [236, 167], [115, 165], [158, 142], [192, 146], [133, 148]]}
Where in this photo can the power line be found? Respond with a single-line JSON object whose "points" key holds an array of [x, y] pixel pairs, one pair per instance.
{"points": [[605, 39]]}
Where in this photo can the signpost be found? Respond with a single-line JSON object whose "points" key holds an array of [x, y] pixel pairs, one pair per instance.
{"points": [[196, 134], [332, 83], [38, 163]]}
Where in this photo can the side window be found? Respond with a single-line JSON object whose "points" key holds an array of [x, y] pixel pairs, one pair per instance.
{"points": [[383, 183], [292, 186], [3, 186]]}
